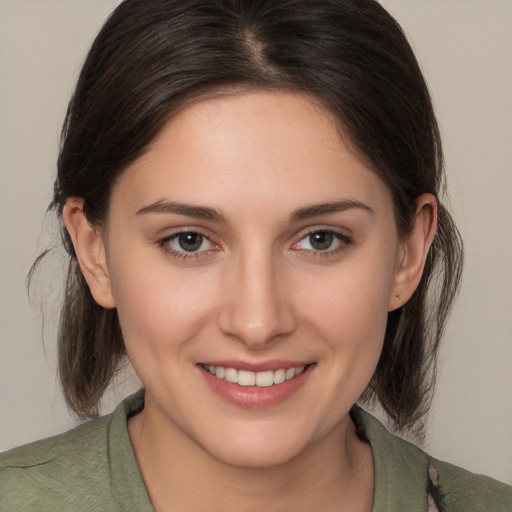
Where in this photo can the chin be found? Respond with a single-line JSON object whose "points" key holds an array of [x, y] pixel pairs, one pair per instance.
{"points": [[254, 457], [256, 449]]}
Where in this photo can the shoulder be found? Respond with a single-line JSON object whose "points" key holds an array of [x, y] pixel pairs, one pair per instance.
{"points": [[406, 475], [463, 491], [61, 446], [60, 469], [91, 467]]}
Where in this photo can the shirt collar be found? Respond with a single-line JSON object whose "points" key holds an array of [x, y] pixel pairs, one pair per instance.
{"points": [[400, 467]]}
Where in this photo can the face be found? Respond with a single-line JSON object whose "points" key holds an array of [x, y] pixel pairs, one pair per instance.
{"points": [[252, 259]]}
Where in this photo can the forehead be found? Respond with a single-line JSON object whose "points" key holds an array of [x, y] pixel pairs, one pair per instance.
{"points": [[268, 146]]}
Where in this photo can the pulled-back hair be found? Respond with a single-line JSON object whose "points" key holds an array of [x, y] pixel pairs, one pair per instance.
{"points": [[153, 57]]}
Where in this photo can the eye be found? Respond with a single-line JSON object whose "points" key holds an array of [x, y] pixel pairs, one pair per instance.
{"points": [[187, 243], [322, 241]]}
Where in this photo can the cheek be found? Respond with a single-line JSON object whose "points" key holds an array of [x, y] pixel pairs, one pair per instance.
{"points": [[365, 302], [159, 308], [353, 299], [348, 310], [357, 323]]}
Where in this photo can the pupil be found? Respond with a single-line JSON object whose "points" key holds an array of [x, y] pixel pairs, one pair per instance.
{"points": [[190, 241], [321, 240]]}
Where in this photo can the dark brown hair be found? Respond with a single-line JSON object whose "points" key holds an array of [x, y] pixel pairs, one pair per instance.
{"points": [[153, 56]]}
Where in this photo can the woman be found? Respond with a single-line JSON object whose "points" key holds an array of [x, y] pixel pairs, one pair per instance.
{"points": [[250, 198]]}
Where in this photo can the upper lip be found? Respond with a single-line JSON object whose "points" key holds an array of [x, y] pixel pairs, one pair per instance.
{"points": [[260, 366]]}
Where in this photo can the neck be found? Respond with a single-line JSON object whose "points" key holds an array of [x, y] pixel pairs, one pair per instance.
{"points": [[334, 473]]}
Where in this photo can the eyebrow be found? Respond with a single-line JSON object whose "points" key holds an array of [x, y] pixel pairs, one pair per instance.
{"points": [[326, 208], [206, 213], [189, 210]]}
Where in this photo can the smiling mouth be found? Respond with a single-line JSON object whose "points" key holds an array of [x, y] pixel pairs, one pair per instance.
{"points": [[263, 379]]}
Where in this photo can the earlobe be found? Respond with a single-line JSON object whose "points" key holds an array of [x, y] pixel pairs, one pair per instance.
{"points": [[413, 251], [90, 250]]}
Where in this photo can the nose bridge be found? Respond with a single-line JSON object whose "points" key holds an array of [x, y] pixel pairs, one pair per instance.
{"points": [[258, 309]]}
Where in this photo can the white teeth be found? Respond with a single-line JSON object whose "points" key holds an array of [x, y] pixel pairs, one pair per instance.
{"points": [[231, 375], [279, 376], [246, 378], [265, 379], [261, 379]]}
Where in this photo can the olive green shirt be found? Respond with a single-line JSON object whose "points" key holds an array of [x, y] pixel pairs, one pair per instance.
{"points": [[93, 467]]}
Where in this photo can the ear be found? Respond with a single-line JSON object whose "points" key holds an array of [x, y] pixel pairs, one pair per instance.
{"points": [[413, 251], [90, 250]]}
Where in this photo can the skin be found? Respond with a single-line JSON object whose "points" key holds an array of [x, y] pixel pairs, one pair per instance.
{"points": [[257, 290]]}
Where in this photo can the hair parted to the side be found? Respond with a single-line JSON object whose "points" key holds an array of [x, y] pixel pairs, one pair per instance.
{"points": [[152, 57]]}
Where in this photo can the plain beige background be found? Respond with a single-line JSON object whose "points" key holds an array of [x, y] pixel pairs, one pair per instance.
{"points": [[464, 47]]}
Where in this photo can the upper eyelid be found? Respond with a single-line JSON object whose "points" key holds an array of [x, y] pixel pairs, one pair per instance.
{"points": [[338, 231], [165, 244], [171, 236], [343, 242], [177, 231]]}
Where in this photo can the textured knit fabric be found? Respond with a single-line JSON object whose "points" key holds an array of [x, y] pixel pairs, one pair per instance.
{"points": [[93, 468]]}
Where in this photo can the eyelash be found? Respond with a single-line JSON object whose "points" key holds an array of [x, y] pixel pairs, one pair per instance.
{"points": [[343, 242], [164, 243]]}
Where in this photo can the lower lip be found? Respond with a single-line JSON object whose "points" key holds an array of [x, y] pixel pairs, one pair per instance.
{"points": [[255, 397]]}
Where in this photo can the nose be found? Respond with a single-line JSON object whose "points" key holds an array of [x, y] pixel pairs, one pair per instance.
{"points": [[257, 309]]}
